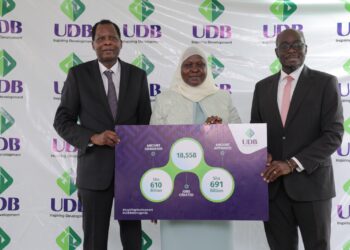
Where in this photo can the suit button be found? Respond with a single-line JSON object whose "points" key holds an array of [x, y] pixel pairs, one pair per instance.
{"points": [[283, 137]]}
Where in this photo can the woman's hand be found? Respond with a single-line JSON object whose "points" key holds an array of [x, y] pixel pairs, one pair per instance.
{"points": [[213, 120]]}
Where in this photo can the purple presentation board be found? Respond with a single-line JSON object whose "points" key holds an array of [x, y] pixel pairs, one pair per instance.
{"points": [[191, 172]]}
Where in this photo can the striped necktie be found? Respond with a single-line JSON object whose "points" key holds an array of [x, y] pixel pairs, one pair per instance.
{"points": [[111, 93]]}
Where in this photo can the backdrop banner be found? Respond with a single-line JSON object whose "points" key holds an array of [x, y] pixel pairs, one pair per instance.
{"points": [[41, 40]]}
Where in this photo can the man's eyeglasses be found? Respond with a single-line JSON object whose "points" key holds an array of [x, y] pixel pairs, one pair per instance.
{"points": [[288, 46]]}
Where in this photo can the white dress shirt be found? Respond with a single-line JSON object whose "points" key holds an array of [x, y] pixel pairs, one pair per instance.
{"points": [[115, 76]]}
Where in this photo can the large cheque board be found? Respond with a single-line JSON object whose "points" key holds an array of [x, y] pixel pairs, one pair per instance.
{"points": [[194, 172]]}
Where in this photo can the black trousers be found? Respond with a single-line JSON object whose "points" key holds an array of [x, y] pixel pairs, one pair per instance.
{"points": [[286, 215], [97, 205]]}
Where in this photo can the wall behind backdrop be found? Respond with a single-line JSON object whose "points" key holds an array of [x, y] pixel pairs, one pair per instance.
{"points": [[40, 40]]}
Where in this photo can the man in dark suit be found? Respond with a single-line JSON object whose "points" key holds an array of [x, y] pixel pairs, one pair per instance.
{"points": [[96, 96], [304, 119]]}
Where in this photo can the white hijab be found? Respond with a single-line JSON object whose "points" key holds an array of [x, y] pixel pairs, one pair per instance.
{"points": [[199, 92]]}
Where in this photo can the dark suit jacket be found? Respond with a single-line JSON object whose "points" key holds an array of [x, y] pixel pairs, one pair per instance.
{"points": [[84, 111], [313, 131]]}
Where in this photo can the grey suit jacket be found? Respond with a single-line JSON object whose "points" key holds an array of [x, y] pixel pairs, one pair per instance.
{"points": [[84, 111], [313, 131]]}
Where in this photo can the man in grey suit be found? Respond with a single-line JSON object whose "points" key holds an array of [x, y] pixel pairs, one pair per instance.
{"points": [[96, 96], [304, 119]]}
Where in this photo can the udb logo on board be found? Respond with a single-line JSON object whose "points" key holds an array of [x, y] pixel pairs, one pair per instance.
{"points": [[72, 9], [68, 239], [212, 10], [6, 122], [249, 140], [343, 29], [9, 204], [141, 10], [70, 61], [282, 10], [9, 26], [144, 63], [9, 86], [68, 205], [217, 67]]}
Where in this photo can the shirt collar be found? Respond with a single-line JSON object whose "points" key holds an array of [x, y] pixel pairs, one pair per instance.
{"points": [[114, 68], [295, 74]]}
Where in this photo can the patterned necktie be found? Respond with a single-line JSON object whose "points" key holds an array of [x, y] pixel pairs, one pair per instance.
{"points": [[286, 99], [111, 93]]}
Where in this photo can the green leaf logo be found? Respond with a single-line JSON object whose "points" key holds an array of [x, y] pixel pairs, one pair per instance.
{"points": [[347, 5], [5, 181], [141, 9], [6, 120], [68, 239], [346, 66], [143, 63], [72, 9], [4, 239], [250, 133], [346, 246], [146, 241], [70, 61], [282, 9], [66, 184], [275, 67], [6, 6], [211, 9], [217, 67], [7, 63], [347, 125], [346, 187]]}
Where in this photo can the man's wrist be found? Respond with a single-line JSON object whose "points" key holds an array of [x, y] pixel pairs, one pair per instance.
{"points": [[292, 165], [91, 141]]}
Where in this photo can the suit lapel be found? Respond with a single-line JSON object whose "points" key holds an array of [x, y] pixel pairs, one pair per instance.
{"points": [[100, 89], [301, 89], [124, 75], [273, 100]]}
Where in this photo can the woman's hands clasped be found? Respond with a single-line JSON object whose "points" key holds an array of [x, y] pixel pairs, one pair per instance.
{"points": [[213, 120]]}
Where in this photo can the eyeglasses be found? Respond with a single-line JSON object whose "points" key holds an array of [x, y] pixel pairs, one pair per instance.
{"points": [[288, 46]]}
